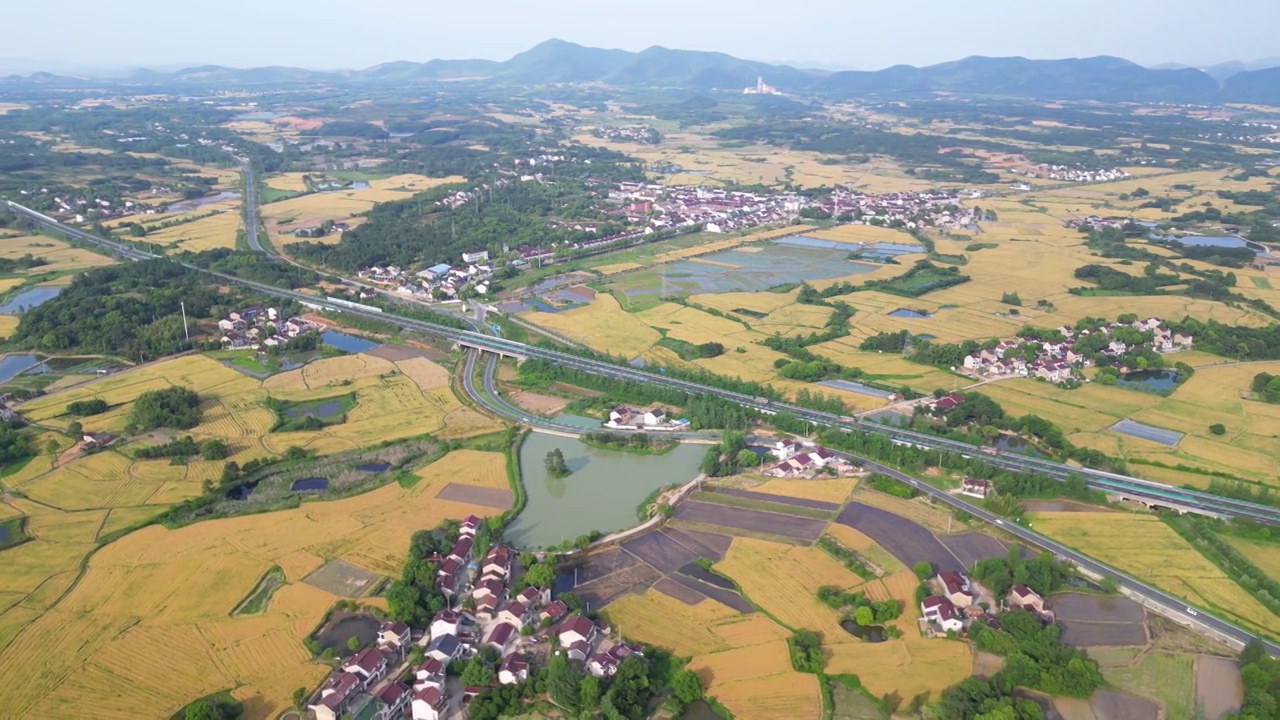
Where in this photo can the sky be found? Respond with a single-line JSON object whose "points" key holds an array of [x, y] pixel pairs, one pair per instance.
{"points": [[855, 34]]}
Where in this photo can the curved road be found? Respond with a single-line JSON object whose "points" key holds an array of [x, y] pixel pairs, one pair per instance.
{"points": [[1134, 488], [1169, 604]]}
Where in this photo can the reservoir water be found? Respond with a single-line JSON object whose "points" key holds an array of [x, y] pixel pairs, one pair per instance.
{"points": [[601, 494]]}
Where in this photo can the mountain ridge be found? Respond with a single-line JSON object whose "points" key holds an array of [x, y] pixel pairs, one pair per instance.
{"points": [[1102, 78]]}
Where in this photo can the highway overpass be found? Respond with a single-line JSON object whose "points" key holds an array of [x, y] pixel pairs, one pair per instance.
{"points": [[1148, 492]]}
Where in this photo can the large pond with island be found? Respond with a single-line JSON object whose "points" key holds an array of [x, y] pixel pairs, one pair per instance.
{"points": [[602, 493]]}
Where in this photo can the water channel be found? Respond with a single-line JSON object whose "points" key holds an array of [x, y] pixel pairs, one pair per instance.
{"points": [[601, 494]]}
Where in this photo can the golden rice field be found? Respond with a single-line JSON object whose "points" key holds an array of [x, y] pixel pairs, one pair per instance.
{"points": [[234, 411], [1146, 547], [1266, 557], [289, 182], [61, 257], [602, 325], [784, 579], [284, 216], [659, 619], [909, 665], [161, 598], [8, 324], [834, 490], [754, 301], [786, 694], [615, 268], [742, 659], [1250, 447], [849, 537], [215, 231]]}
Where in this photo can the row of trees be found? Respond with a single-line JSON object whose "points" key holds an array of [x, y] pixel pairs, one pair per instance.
{"points": [[414, 598]]}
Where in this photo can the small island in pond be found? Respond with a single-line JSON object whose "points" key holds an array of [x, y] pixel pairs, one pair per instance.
{"points": [[556, 466]]}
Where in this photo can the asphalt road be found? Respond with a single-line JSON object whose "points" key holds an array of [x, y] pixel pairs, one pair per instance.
{"points": [[1136, 488], [489, 398], [1154, 595], [1164, 600], [250, 206]]}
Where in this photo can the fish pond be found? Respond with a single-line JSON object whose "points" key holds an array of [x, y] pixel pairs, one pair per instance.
{"points": [[602, 493], [766, 266], [28, 299], [1159, 382], [345, 342]]}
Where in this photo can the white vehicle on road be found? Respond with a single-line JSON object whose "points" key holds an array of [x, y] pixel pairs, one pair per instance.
{"points": [[1192, 612]]}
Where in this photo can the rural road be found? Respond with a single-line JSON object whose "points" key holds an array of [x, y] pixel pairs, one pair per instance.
{"points": [[1172, 605], [1133, 486], [1147, 491], [1168, 604], [250, 206]]}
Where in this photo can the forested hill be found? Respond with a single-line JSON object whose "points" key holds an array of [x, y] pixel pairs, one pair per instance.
{"points": [[418, 231]]}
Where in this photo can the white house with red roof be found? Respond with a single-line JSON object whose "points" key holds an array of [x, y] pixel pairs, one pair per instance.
{"points": [[514, 669], [394, 633], [429, 703], [501, 636], [974, 487], [956, 588], [577, 628], [369, 664], [335, 695], [391, 701], [940, 611], [431, 671]]}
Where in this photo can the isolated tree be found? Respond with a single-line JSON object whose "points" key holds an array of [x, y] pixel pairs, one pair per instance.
{"points": [[923, 570], [353, 643], [75, 429], [555, 464], [1218, 429], [300, 698], [864, 616], [687, 686]]}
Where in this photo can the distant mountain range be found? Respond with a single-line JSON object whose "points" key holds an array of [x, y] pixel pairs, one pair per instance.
{"points": [[1107, 79]]}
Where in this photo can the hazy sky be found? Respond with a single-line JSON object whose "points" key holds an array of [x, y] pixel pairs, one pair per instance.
{"points": [[864, 34]]}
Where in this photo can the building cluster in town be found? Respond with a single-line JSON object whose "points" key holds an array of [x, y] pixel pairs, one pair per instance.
{"points": [[1073, 174], [802, 459], [485, 611], [624, 417], [443, 281], [761, 88], [640, 134], [258, 328], [648, 208], [1058, 361], [955, 601]]}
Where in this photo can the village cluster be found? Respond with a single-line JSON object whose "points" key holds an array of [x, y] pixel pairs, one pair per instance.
{"points": [[802, 459], [648, 208], [1059, 361], [629, 418], [258, 328], [956, 601], [379, 682], [641, 134], [1076, 174]]}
